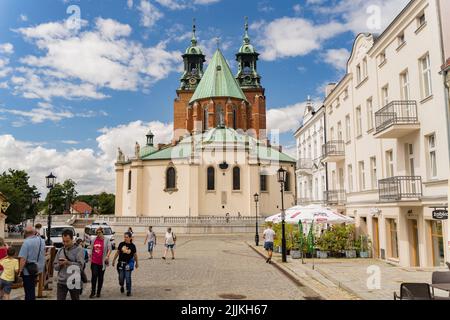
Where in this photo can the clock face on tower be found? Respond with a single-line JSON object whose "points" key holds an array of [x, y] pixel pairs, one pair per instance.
{"points": [[192, 81], [247, 80]]}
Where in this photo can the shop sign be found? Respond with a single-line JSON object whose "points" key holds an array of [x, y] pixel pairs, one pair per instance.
{"points": [[440, 214]]}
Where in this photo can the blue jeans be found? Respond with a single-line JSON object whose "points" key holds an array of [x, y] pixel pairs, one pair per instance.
{"points": [[29, 285], [125, 276]]}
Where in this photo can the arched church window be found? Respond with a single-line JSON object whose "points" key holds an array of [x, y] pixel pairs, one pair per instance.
{"points": [[211, 179], [171, 178], [287, 184], [247, 67], [129, 180], [205, 118], [236, 178], [234, 118], [220, 117], [262, 181]]}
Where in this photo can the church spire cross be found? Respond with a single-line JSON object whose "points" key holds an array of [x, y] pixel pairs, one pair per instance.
{"points": [[246, 36], [194, 29]]}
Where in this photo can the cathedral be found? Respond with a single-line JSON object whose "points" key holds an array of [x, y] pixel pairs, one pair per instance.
{"points": [[219, 156]]}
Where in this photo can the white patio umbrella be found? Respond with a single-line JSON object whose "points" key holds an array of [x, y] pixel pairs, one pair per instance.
{"points": [[308, 214]]}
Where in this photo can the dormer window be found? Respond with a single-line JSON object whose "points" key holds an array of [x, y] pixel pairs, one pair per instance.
{"points": [[358, 74], [382, 58], [401, 40], [421, 21]]}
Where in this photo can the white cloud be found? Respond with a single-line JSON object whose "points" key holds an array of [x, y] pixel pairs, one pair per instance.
{"points": [[288, 118], [337, 58], [130, 4], [173, 4], [23, 18], [6, 48], [40, 114], [79, 64], [93, 170], [149, 13], [297, 8], [291, 37]]}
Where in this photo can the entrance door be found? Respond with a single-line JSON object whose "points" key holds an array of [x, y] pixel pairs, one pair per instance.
{"points": [[376, 238], [437, 243], [414, 243]]}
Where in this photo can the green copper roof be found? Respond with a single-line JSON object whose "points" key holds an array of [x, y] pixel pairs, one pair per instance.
{"points": [[217, 138], [194, 48], [218, 81], [246, 46]]}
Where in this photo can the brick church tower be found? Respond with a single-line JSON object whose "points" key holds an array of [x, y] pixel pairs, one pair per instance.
{"points": [[213, 98]]}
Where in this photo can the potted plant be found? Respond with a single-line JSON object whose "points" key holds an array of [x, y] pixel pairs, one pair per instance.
{"points": [[350, 250], [363, 245], [324, 244], [296, 252]]}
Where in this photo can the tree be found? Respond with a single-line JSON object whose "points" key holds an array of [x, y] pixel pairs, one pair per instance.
{"points": [[15, 186], [103, 203], [62, 196]]}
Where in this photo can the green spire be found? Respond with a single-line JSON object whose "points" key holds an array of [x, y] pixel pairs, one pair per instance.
{"points": [[194, 38], [218, 81], [246, 36]]}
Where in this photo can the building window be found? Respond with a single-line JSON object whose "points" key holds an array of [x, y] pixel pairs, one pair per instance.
{"points": [[205, 118], [234, 118], [401, 39], [404, 85], [358, 122], [211, 179], [339, 129], [389, 164], [350, 178], [358, 74], [316, 189], [220, 118], [385, 95], [362, 176], [425, 70], [236, 178], [369, 114], [263, 182], [382, 58], [391, 225], [287, 184], [365, 69], [421, 20], [373, 172], [331, 134], [347, 128], [171, 178], [432, 155], [129, 180]]}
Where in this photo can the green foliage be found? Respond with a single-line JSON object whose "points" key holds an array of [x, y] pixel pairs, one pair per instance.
{"points": [[363, 243], [337, 239], [14, 184], [103, 203], [61, 197]]}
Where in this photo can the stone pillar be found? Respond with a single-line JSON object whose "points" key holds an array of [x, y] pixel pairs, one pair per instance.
{"points": [[119, 191]]}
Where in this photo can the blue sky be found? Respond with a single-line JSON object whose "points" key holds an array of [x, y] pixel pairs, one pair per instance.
{"points": [[70, 94]]}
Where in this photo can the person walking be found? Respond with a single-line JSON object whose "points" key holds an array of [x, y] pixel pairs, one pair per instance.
{"points": [[151, 240], [128, 260], [10, 267], [69, 260], [170, 240], [101, 250], [269, 236], [32, 261], [3, 251]]}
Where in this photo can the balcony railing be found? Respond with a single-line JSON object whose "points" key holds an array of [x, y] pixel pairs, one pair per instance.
{"points": [[395, 115], [334, 197], [400, 188], [333, 151], [304, 165]]}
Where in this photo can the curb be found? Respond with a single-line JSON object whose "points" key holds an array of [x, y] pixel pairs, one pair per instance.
{"points": [[340, 284], [315, 295]]}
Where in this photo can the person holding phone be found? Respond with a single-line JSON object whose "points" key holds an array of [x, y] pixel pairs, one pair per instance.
{"points": [[100, 252]]}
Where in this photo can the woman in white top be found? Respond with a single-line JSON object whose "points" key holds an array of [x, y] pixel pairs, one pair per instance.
{"points": [[170, 240]]}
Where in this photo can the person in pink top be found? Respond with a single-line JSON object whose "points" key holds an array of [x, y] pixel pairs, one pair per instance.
{"points": [[100, 252], [3, 251]]}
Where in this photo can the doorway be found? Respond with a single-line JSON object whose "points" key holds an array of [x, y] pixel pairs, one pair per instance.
{"points": [[414, 243], [376, 238], [437, 243]]}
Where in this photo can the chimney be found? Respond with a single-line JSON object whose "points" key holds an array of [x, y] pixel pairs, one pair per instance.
{"points": [[329, 88]]}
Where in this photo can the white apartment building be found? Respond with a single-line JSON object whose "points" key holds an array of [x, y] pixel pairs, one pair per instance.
{"points": [[387, 138], [310, 171]]}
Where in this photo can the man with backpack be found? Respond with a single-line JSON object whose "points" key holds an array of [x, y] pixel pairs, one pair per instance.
{"points": [[170, 243], [32, 261]]}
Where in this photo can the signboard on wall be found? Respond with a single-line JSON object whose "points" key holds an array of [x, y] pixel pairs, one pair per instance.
{"points": [[440, 214]]}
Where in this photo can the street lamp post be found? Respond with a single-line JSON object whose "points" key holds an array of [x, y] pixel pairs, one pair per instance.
{"points": [[256, 198], [50, 181], [282, 181]]}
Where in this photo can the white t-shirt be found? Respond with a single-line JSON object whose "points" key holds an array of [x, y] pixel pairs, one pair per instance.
{"points": [[151, 236], [169, 238], [269, 235]]}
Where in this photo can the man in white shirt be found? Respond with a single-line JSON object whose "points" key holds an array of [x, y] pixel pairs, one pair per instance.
{"points": [[269, 236], [151, 240], [170, 240]]}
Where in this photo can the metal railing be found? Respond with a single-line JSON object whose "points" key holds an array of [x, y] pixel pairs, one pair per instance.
{"points": [[304, 163], [335, 197], [333, 148], [396, 112], [399, 188]]}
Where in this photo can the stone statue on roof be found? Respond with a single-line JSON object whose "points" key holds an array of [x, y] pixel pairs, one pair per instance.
{"points": [[120, 155], [137, 150]]}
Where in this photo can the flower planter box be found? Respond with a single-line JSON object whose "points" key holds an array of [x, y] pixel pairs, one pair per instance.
{"points": [[364, 254], [322, 254], [296, 254], [350, 254]]}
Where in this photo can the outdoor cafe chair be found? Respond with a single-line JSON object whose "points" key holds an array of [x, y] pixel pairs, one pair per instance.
{"points": [[440, 277], [414, 291]]}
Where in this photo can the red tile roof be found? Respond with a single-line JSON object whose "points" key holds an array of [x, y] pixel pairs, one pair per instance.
{"points": [[81, 207]]}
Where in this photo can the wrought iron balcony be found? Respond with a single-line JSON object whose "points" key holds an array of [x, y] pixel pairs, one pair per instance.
{"points": [[333, 151], [396, 119], [400, 188], [304, 165], [335, 197]]}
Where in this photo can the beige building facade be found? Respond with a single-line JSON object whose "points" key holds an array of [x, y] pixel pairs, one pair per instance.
{"points": [[386, 145], [3, 204]]}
